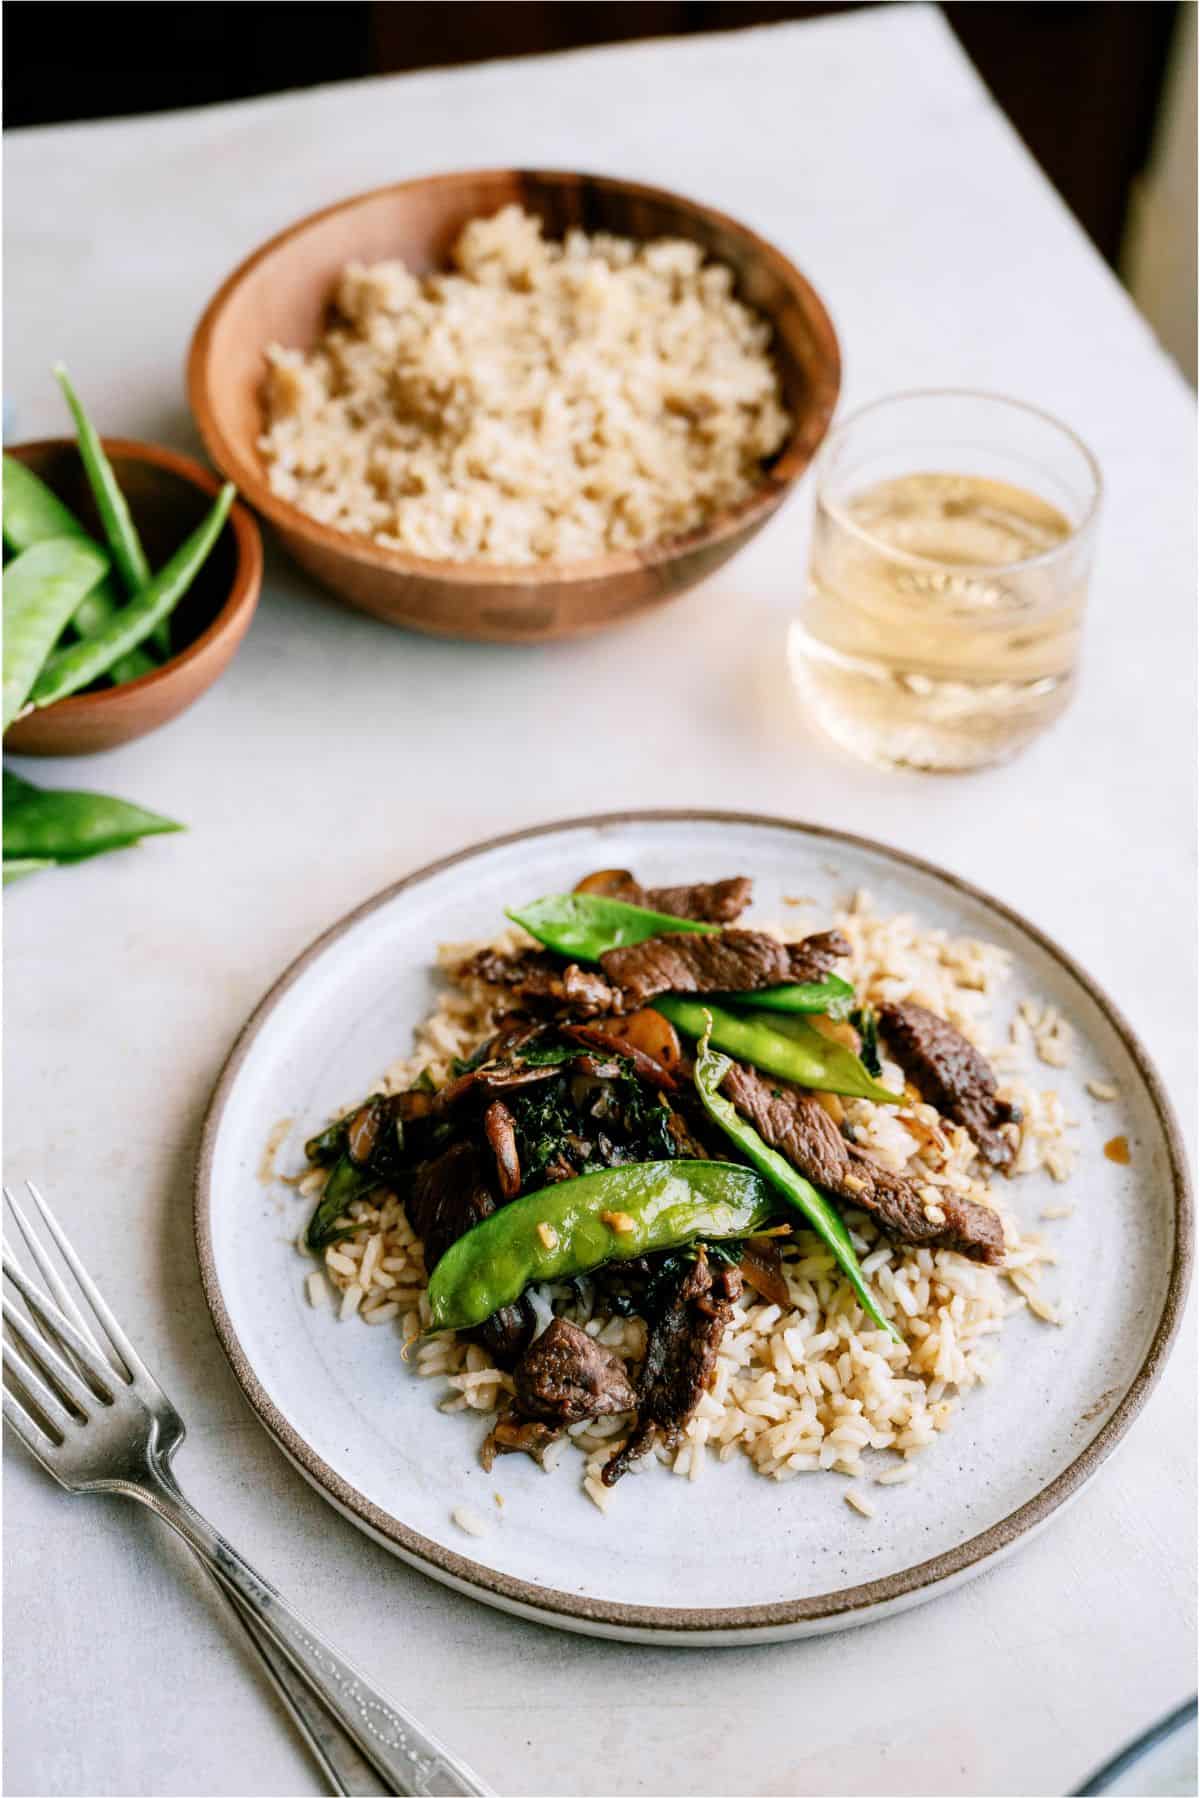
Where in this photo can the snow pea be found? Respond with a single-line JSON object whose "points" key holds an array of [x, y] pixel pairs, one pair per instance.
{"points": [[818, 1213], [124, 543], [53, 823], [33, 512], [29, 864], [42, 588], [69, 669], [832, 997], [779, 1043], [586, 925], [578, 1225]]}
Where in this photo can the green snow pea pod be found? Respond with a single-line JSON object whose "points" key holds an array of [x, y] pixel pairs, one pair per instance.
{"points": [[29, 864], [52, 823], [124, 544], [580, 1224], [33, 512], [818, 1213], [69, 669], [586, 925], [779, 1043], [42, 588], [832, 997]]}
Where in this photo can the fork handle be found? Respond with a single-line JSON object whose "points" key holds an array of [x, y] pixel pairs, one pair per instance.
{"points": [[414, 1763]]}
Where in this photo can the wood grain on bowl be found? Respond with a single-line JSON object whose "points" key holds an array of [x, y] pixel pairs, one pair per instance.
{"points": [[281, 294], [168, 494]]}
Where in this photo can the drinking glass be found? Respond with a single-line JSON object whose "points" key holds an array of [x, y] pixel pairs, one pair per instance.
{"points": [[952, 542]]}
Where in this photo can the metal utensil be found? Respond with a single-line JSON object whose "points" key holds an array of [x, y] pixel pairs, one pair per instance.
{"points": [[98, 1421]]}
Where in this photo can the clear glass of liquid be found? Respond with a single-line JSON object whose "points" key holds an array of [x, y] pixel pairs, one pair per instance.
{"points": [[952, 543]]}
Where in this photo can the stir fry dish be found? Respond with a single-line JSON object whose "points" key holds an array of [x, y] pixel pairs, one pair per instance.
{"points": [[656, 1137]]}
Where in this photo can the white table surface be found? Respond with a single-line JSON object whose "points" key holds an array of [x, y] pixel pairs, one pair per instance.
{"points": [[336, 755]]}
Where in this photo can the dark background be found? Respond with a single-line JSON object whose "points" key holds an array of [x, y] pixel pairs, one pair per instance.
{"points": [[1081, 82]]}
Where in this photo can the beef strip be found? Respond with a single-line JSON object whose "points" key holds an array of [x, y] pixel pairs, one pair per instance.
{"points": [[953, 1076], [706, 902], [794, 1122], [681, 1354], [564, 1377], [542, 982], [736, 961]]}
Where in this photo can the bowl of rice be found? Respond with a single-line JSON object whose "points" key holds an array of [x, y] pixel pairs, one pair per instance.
{"points": [[514, 406]]}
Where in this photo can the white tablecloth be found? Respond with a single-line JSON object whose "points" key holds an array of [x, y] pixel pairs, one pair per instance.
{"points": [[337, 754]]}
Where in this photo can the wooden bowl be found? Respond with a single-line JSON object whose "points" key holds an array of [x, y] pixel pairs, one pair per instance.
{"points": [[168, 495], [281, 294]]}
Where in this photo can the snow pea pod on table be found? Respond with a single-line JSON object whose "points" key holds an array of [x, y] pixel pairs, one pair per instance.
{"points": [[33, 512], [586, 926], [45, 825], [778, 1044], [578, 1225], [818, 1213]]}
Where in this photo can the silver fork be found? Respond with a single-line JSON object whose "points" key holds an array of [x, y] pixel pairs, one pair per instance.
{"points": [[96, 1418]]}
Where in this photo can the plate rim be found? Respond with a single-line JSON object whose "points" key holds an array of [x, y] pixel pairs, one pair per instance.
{"points": [[848, 1604]]}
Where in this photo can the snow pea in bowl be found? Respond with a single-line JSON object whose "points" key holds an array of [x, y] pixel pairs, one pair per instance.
{"points": [[168, 495]]}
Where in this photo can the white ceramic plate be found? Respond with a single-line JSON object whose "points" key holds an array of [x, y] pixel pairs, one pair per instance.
{"points": [[732, 1557]]}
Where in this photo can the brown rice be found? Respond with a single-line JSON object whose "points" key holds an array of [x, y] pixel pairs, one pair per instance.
{"points": [[545, 401]]}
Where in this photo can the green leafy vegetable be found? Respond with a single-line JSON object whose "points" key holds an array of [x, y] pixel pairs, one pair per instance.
{"points": [[820, 1215]]}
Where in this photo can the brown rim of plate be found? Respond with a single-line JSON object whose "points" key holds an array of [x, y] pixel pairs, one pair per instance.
{"points": [[248, 553], [790, 462], [912, 1581]]}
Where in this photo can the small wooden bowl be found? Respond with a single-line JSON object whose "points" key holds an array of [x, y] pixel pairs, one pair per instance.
{"points": [[168, 495], [281, 294]]}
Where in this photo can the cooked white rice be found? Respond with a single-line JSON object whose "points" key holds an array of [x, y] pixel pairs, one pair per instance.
{"points": [[546, 401], [813, 1387]]}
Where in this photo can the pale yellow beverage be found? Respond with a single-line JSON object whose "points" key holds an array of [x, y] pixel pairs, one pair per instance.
{"points": [[941, 623]]}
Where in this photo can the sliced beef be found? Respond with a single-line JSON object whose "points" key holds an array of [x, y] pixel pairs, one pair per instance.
{"points": [[541, 981], [681, 1354], [736, 961], [951, 1074], [707, 902], [793, 1121], [449, 1196], [564, 1377]]}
